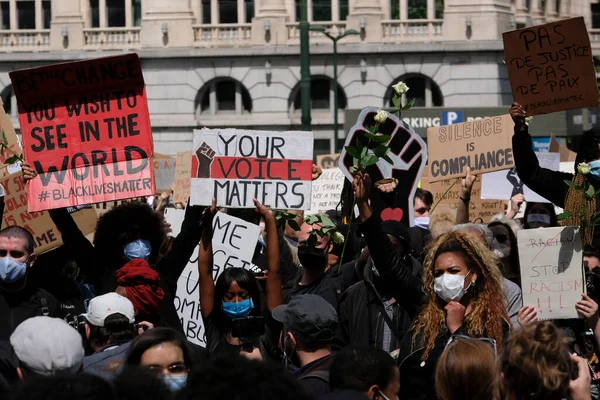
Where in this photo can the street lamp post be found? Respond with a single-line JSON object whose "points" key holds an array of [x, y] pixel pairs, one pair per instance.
{"points": [[335, 39]]}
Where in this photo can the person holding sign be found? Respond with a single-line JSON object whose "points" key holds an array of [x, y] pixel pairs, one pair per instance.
{"points": [[232, 308], [460, 294]]}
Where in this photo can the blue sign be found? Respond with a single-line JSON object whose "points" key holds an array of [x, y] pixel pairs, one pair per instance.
{"points": [[452, 117], [541, 144]]}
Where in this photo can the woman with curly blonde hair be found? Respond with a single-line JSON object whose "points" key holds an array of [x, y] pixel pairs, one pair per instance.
{"points": [[464, 289]]}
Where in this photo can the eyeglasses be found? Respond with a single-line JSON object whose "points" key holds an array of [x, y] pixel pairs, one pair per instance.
{"points": [[13, 253], [173, 369], [490, 342]]}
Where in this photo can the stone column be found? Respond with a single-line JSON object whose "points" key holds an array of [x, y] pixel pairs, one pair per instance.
{"points": [[371, 12], [537, 16], [176, 14], [238, 99], [39, 23], [102, 13], [335, 10], [550, 11], [522, 16], [214, 12], [69, 14], [128, 14], [12, 11], [563, 11], [241, 12], [489, 19], [278, 13], [403, 10], [430, 9], [212, 98]]}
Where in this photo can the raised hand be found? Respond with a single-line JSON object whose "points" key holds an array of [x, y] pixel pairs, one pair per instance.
{"points": [[527, 315], [455, 314], [468, 181], [316, 172], [518, 114], [361, 186], [205, 156], [28, 172]]}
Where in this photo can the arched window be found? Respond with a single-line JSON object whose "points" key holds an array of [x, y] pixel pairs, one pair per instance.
{"points": [[421, 88], [321, 95], [223, 95]]}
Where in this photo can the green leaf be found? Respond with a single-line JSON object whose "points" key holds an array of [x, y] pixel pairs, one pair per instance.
{"points": [[397, 100], [326, 221], [388, 159], [328, 229], [590, 192], [573, 185], [381, 150], [312, 239], [353, 170], [13, 159], [293, 224], [353, 151], [311, 219], [596, 219], [363, 154], [409, 105], [378, 138], [564, 215], [370, 160]]}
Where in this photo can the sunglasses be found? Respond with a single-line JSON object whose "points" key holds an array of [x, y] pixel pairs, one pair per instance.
{"points": [[173, 369], [12, 253], [490, 342]]}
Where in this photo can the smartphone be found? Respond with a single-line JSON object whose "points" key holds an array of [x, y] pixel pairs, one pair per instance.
{"points": [[248, 327]]}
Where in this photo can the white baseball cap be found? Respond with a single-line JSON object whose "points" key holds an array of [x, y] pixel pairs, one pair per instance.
{"points": [[101, 307], [48, 346]]}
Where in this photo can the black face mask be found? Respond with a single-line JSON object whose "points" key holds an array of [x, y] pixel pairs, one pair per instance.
{"points": [[312, 258]]}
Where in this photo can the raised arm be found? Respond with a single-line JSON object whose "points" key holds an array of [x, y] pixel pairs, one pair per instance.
{"points": [[464, 198], [205, 264], [274, 289], [546, 183]]}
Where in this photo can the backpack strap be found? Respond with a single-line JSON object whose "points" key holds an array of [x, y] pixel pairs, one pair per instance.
{"points": [[322, 375]]}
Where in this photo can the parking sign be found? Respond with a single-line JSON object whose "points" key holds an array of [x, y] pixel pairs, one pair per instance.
{"points": [[452, 117]]}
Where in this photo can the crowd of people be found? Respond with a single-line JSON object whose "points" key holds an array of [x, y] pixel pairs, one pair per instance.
{"points": [[433, 311]]}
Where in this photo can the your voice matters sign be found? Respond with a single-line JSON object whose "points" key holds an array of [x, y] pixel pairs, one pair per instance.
{"points": [[236, 166]]}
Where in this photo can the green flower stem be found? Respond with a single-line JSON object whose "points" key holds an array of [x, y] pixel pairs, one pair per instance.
{"points": [[443, 195]]}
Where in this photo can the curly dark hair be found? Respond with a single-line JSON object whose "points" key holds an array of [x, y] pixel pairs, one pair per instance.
{"points": [[123, 224]]}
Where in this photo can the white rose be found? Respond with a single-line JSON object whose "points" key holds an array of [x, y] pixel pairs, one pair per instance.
{"points": [[337, 238], [583, 168], [400, 88], [528, 120], [381, 116]]}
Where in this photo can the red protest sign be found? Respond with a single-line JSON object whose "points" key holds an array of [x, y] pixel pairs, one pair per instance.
{"points": [[86, 131]]}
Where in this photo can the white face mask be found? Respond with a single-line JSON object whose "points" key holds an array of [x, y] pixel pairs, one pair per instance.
{"points": [[450, 287], [539, 220], [422, 222]]}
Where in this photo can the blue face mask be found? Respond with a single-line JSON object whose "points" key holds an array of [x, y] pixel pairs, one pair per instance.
{"points": [[238, 310], [595, 168], [175, 382], [138, 249], [12, 270]]}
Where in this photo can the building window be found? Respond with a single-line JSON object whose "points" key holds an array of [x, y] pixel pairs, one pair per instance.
{"points": [[223, 95], [137, 12], [26, 14], [321, 10], [344, 9], [321, 95], [425, 92], [46, 14], [417, 9], [115, 13], [94, 14], [205, 12], [5, 10], [228, 12], [249, 7]]}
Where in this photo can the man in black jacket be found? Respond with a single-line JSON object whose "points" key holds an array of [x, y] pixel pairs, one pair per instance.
{"points": [[370, 312], [19, 299]]}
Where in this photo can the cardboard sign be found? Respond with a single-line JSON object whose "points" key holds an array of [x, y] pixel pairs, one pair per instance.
{"points": [[566, 155], [503, 185], [328, 161], [232, 240], [9, 137], [86, 131], [45, 233], [236, 166], [409, 155], [164, 172], [183, 176], [326, 191], [480, 211], [552, 276], [551, 66], [484, 144]]}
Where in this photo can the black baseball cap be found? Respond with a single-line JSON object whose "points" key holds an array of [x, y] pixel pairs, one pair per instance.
{"points": [[309, 317]]}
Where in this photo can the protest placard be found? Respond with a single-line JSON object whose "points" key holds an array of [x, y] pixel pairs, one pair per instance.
{"points": [[326, 191], [234, 241], [236, 166], [86, 131], [164, 172], [45, 233], [566, 155], [552, 276], [485, 145], [551, 67], [183, 176], [408, 154], [503, 185], [480, 211], [10, 143], [327, 161]]}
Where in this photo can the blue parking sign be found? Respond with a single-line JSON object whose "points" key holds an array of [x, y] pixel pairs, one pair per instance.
{"points": [[452, 117]]}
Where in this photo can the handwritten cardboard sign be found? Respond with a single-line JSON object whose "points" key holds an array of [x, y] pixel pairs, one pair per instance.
{"points": [[9, 137], [164, 172], [502, 185], [236, 166], [39, 224], [409, 156], [183, 176], [551, 66], [480, 211], [326, 191], [232, 240], [484, 144], [327, 161], [86, 131], [552, 276]]}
